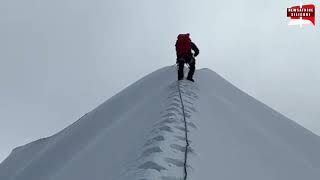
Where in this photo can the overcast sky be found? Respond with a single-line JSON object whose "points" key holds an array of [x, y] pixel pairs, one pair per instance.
{"points": [[61, 58]]}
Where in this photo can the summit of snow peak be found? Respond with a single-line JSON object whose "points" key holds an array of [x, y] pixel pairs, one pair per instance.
{"points": [[140, 133]]}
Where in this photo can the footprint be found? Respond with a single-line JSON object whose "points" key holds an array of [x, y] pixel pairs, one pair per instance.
{"points": [[151, 165], [173, 109], [154, 140], [175, 162], [182, 138], [182, 148], [180, 128], [166, 128], [151, 151], [178, 147], [167, 121]]}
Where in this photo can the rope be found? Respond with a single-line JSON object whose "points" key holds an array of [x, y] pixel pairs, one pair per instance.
{"points": [[186, 135]]}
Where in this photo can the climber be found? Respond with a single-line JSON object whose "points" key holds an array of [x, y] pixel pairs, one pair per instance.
{"points": [[184, 45]]}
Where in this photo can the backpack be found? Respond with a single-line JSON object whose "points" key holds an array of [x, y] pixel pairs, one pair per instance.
{"points": [[183, 45]]}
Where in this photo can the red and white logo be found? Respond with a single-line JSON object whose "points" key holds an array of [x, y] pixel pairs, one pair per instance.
{"points": [[300, 15]]}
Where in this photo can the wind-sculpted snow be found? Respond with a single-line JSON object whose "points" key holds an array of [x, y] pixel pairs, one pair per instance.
{"points": [[139, 134]]}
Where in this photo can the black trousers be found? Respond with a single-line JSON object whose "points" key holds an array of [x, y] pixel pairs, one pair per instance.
{"points": [[192, 66]]}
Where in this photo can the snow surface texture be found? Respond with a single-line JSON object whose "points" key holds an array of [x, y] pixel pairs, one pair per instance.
{"points": [[140, 134]]}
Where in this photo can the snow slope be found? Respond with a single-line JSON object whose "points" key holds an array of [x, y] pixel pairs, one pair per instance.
{"points": [[140, 134]]}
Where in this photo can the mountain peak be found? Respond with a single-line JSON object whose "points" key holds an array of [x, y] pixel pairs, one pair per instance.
{"points": [[143, 132]]}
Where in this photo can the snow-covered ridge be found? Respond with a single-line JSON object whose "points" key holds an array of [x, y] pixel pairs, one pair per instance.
{"points": [[163, 155], [139, 134]]}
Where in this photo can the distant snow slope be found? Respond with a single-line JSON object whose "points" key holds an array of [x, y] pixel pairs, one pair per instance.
{"points": [[140, 134]]}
